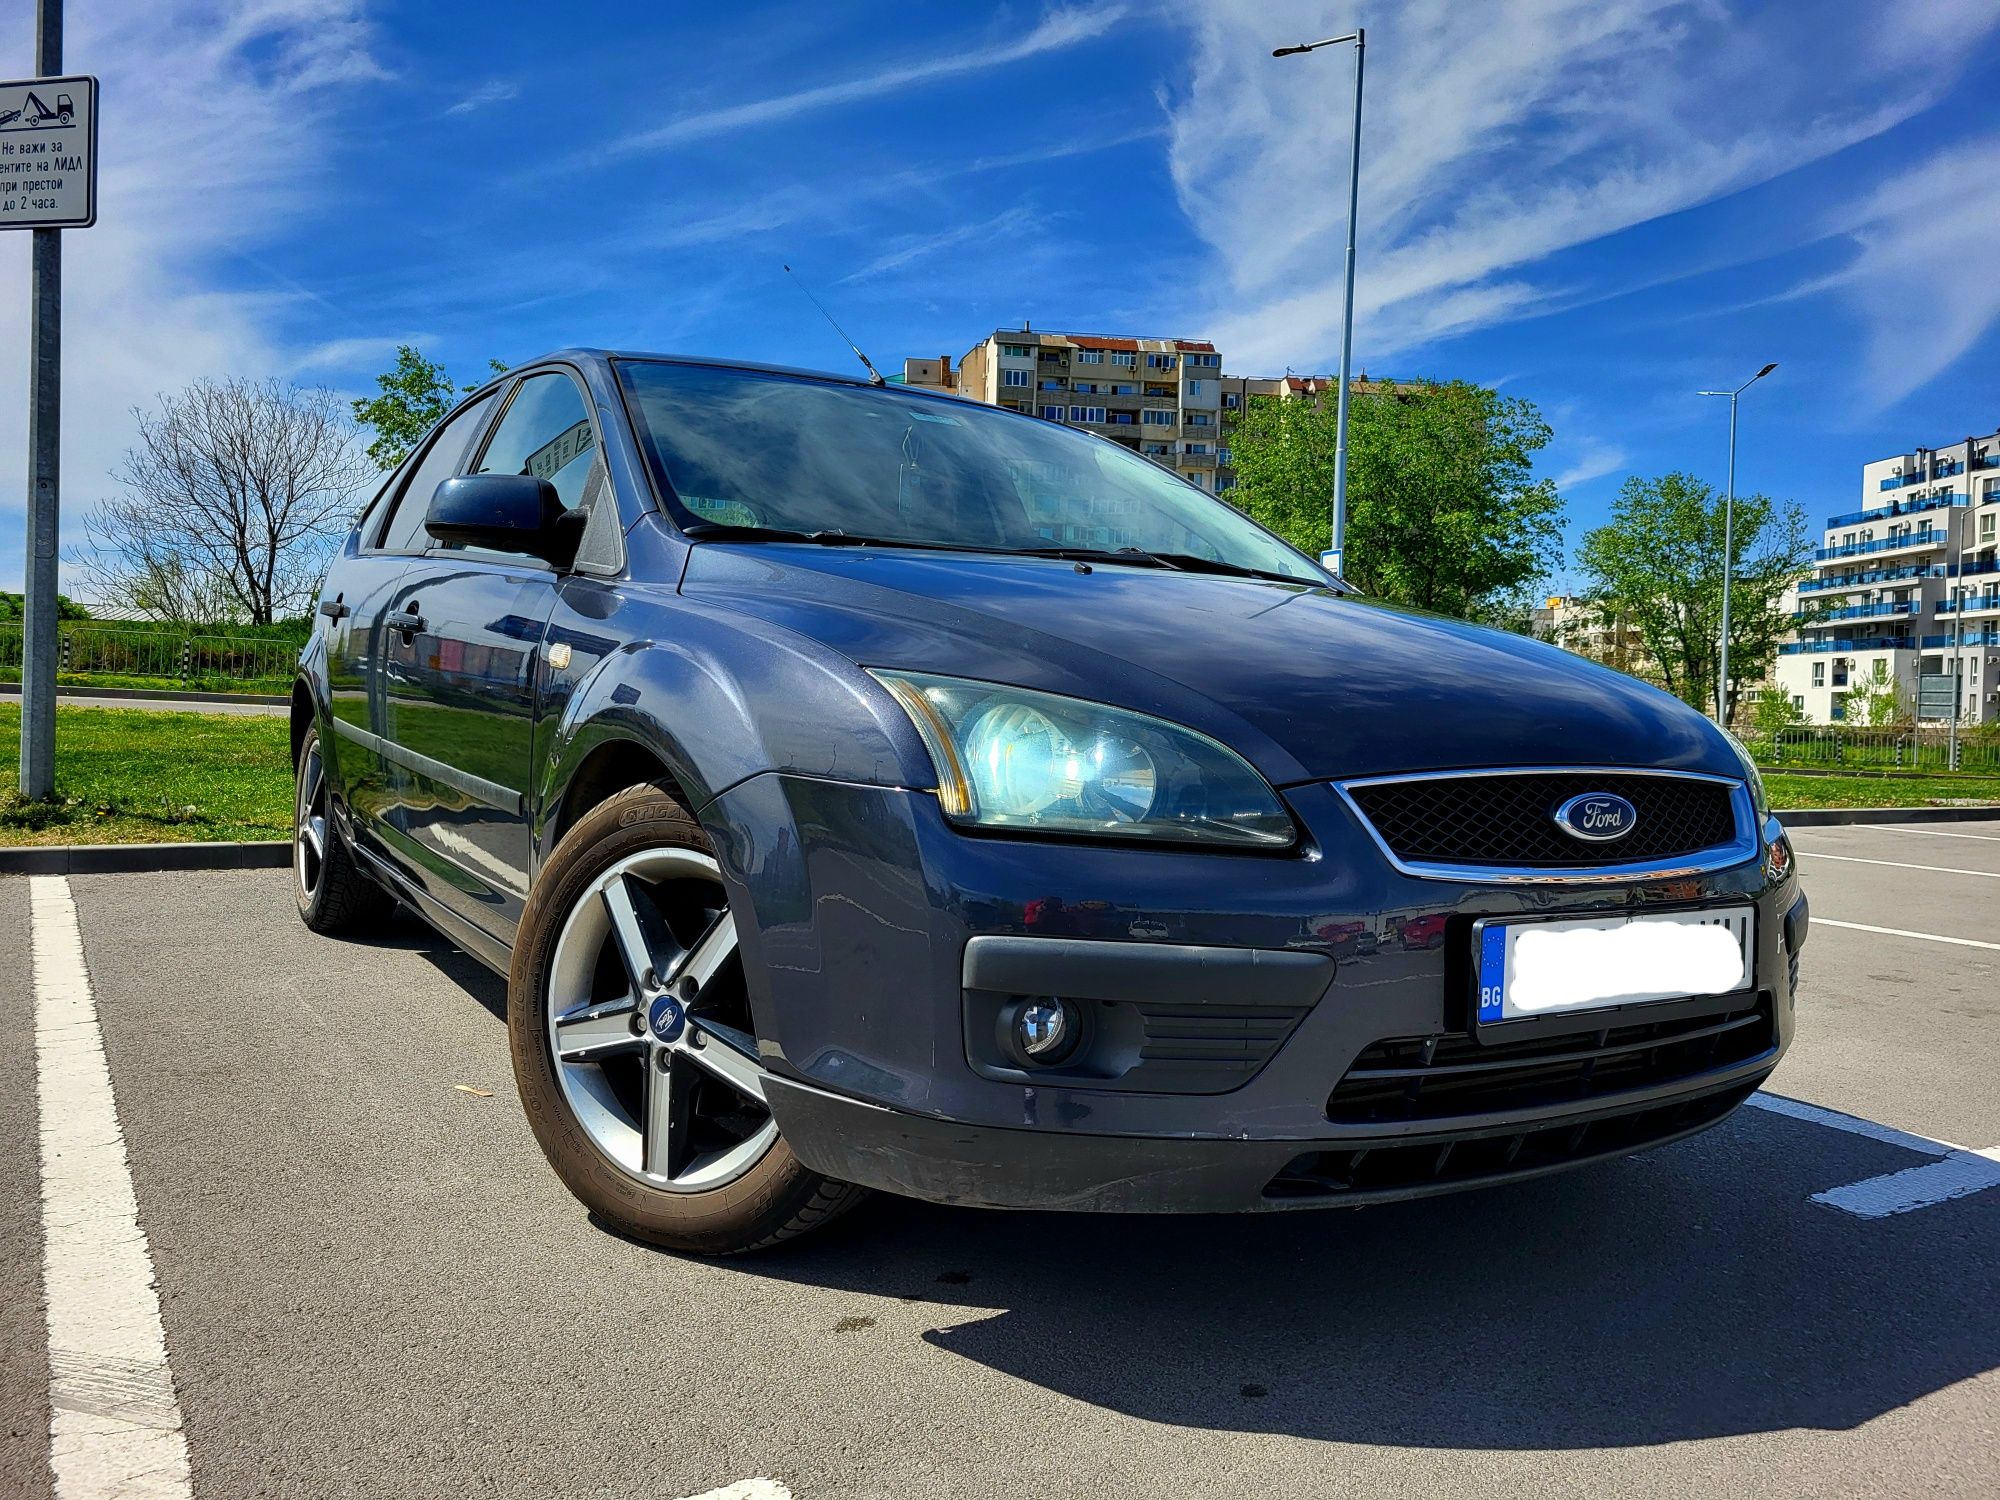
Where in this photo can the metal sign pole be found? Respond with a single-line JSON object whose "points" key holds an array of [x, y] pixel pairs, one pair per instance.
{"points": [[48, 179]]}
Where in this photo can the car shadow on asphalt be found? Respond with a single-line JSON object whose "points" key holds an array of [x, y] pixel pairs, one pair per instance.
{"points": [[1692, 1292]]}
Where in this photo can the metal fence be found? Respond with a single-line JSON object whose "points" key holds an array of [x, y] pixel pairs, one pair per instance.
{"points": [[161, 655], [1877, 749]]}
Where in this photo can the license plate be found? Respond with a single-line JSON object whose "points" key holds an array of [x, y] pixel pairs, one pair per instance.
{"points": [[1530, 969]]}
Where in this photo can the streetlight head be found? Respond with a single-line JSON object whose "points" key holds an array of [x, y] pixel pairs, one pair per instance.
{"points": [[1288, 51], [1765, 371]]}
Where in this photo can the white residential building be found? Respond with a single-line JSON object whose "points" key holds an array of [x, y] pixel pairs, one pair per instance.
{"points": [[1909, 581]]}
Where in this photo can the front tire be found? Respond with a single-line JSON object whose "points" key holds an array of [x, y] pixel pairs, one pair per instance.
{"points": [[633, 1045]]}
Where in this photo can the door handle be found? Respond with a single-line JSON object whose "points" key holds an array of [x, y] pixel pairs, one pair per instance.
{"points": [[333, 609], [408, 623]]}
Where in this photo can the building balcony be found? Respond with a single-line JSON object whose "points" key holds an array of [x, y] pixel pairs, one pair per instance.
{"points": [[1834, 582], [1897, 508], [1930, 536], [1864, 612], [1979, 604], [1966, 638], [1848, 643]]}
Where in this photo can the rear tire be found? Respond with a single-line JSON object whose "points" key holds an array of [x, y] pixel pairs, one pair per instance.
{"points": [[335, 898], [626, 980]]}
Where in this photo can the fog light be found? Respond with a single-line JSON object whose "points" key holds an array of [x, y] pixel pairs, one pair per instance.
{"points": [[1044, 1030]]}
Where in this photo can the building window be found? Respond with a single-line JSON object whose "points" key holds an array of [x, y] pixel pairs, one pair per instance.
{"points": [[1222, 455], [1799, 702], [1231, 400], [1124, 390], [1196, 478], [1123, 419], [1160, 361], [1013, 377], [1986, 526], [1839, 709], [1090, 356], [1017, 351], [1194, 387], [1053, 413], [1129, 361], [1819, 674], [1153, 416], [1197, 419], [1086, 414]]}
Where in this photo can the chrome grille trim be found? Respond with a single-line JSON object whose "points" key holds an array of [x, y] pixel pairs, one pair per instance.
{"points": [[1740, 850]]}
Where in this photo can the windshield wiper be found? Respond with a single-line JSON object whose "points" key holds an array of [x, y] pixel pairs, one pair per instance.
{"points": [[1132, 556], [833, 536], [1179, 562], [1194, 563]]}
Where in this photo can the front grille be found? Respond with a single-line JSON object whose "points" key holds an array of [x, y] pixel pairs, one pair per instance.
{"points": [[1219, 1045], [1440, 1077], [1488, 819], [1407, 1166]]}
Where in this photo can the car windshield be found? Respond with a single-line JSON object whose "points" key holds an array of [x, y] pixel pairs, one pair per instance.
{"points": [[760, 451]]}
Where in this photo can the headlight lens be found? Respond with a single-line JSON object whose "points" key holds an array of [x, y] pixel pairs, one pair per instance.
{"points": [[1036, 762], [1758, 797]]}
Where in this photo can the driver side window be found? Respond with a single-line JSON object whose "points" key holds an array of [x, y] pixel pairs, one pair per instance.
{"points": [[546, 432]]}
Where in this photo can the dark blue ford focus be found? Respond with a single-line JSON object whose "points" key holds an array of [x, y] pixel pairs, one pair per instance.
{"points": [[864, 788]]}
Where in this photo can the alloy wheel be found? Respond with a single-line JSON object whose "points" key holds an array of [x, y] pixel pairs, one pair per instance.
{"points": [[649, 1024], [309, 838]]}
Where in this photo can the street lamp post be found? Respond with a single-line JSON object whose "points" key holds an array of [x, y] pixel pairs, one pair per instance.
{"points": [[1729, 546], [1339, 527]]}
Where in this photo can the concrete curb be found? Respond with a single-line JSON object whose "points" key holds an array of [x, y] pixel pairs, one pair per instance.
{"points": [[170, 695], [1830, 817], [110, 859]]}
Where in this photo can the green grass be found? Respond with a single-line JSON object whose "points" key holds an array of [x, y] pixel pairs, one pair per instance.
{"points": [[131, 776], [1793, 791], [199, 682]]}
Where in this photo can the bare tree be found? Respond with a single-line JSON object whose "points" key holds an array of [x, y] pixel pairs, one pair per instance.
{"points": [[235, 496]]}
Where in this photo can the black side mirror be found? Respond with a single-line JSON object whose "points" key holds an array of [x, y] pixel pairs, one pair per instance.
{"points": [[505, 513]]}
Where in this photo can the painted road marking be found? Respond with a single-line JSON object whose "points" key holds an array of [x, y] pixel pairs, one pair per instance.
{"points": [[1897, 864], [748, 1489], [1924, 937], [1939, 833], [1953, 1172], [114, 1425]]}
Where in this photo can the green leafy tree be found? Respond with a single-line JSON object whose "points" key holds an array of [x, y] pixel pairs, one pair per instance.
{"points": [[1444, 511], [1875, 701], [1773, 711], [1658, 566], [14, 607], [415, 397]]}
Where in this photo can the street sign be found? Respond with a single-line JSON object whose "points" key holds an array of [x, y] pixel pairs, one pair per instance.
{"points": [[48, 153], [1936, 693]]}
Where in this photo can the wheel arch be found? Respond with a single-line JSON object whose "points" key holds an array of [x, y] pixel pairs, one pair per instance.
{"points": [[608, 767], [305, 709]]}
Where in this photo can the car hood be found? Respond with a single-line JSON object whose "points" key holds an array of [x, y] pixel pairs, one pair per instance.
{"points": [[1304, 683]]}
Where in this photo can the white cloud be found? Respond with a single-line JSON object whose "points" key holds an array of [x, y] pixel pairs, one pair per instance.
{"points": [[495, 91], [1055, 31], [1925, 285], [1593, 459], [1489, 147], [211, 130]]}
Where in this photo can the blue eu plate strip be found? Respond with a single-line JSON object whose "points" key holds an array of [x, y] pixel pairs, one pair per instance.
{"points": [[1492, 971]]}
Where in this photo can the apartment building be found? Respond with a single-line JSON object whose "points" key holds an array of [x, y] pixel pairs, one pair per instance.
{"points": [[1158, 396], [1580, 626], [1907, 587]]}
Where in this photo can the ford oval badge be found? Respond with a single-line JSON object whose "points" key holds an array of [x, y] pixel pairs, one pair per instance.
{"points": [[1597, 817]]}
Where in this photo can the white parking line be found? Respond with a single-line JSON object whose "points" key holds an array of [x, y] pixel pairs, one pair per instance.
{"points": [[1953, 1172], [1939, 833], [1925, 937], [1897, 864], [114, 1425], [748, 1489]]}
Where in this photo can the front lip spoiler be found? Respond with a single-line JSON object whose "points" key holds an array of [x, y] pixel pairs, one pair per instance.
{"points": [[991, 1166], [1740, 850]]}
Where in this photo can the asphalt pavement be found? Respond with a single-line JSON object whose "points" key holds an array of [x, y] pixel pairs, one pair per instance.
{"points": [[371, 1285]]}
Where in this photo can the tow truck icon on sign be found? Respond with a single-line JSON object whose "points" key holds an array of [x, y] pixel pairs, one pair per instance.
{"points": [[33, 112]]}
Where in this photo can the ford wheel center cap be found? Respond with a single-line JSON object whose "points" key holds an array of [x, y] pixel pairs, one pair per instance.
{"points": [[665, 1018], [1597, 817]]}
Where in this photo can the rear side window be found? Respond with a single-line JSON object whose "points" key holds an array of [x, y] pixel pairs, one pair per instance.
{"points": [[546, 432], [440, 461]]}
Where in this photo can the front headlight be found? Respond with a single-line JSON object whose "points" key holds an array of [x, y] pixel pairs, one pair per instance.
{"points": [[1036, 762], [1758, 798]]}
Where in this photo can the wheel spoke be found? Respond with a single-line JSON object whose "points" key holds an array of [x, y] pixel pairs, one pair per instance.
{"points": [[708, 954], [728, 1054], [668, 1114], [589, 1033], [644, 943], [314, 833]]}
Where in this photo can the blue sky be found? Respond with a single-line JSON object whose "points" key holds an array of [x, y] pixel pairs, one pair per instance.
{"points": [[1601, 205]]}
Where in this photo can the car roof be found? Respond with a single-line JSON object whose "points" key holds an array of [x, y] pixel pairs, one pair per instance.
{"points": [[605, 356]]}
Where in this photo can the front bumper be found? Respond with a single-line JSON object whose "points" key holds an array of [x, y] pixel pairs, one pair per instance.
{"points": [[863, 903]]}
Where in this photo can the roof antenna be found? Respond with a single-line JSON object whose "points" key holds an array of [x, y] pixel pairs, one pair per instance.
{"points": [[874, 375]]}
